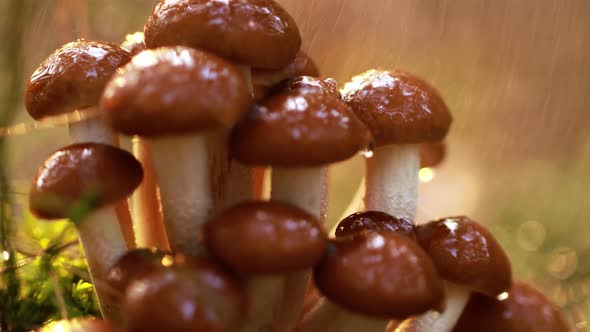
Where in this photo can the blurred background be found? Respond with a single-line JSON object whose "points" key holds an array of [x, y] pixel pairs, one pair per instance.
{"points": [[516, 75]]}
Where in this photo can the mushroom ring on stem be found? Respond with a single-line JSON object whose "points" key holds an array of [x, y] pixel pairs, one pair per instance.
{"points": [[71, 80], [265, 241], [402, 111], [174, 96], [469, 259], [84, 182]]}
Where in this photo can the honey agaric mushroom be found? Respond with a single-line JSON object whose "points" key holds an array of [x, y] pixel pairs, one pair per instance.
{"points": [[72, 80], [369, 278], [523, 309], [148, 222], [198, 296], [265, 241], [298, 134], [174, 96], [84, 182], [469, 259], [80, 325], [375, 221], [401, 110], [133, 265]]}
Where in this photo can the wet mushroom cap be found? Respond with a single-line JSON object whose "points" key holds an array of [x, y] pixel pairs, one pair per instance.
{"points": [[256, 33], [432, 153], [184, 299], [133, 265], [80, 325], [265, 238], [302, 65], [385, 275], [134, 43], [295, 129], [398, 107], [90, 173], [467, 254], [524, 310], [173, 91], [308, 84], [72, 78], [375, 221]]}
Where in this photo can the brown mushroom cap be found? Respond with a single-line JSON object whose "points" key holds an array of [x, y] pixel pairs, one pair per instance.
{"points": [[302, 65], [72, 78], [184, 298], [133, 265], [97, 174], [256, 33], [432, 153], [466, 253], [294, 129], [308, 84], [265, 238], [375, 221], [80, 325], [134, 43], [524, 310], [398, 107], [386, 275], [175, 90]]}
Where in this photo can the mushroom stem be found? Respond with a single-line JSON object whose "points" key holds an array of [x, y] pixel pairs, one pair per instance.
{"points": [[392, 180], [328, 317], [147, 218], [181, 164], [263, 293], [103, 243], [306, 188], [94, 130], [456, 300]]}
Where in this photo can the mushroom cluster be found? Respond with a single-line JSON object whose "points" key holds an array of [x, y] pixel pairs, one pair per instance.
{"points": [[215, 94]]}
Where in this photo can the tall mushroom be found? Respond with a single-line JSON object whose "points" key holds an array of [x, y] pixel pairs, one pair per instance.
{"points": [[265, 241], [298, 134], [469, 259], [72, 80], [84, 182], [401, 110], [251, 33], [174, 96], [148, 223], [369, 278]]}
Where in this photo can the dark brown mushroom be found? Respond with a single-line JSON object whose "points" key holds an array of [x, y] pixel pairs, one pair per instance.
{"points": [[402, 111], [133, 265], [175, 96], [308, 84], [85, 182], [194, 297], [375, 221], [369, 278]]}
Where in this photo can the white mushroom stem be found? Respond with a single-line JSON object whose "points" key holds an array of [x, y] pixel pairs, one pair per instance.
{"points": [[328, 317], [263, 293], [392, 180], [103, 244], [93, 129], [306, 188], [456, 300], [182, 171], [148, 224]]}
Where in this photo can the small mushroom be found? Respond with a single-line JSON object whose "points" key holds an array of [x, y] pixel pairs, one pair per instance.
{"points": [[72, 80], [375, 221], [197, 296], [522, 309], [369, 278], [174, 97], [469, 259], [265, 241], [133, 265], [80, 325], [148, 223], [85, 182], [402, 111]]}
